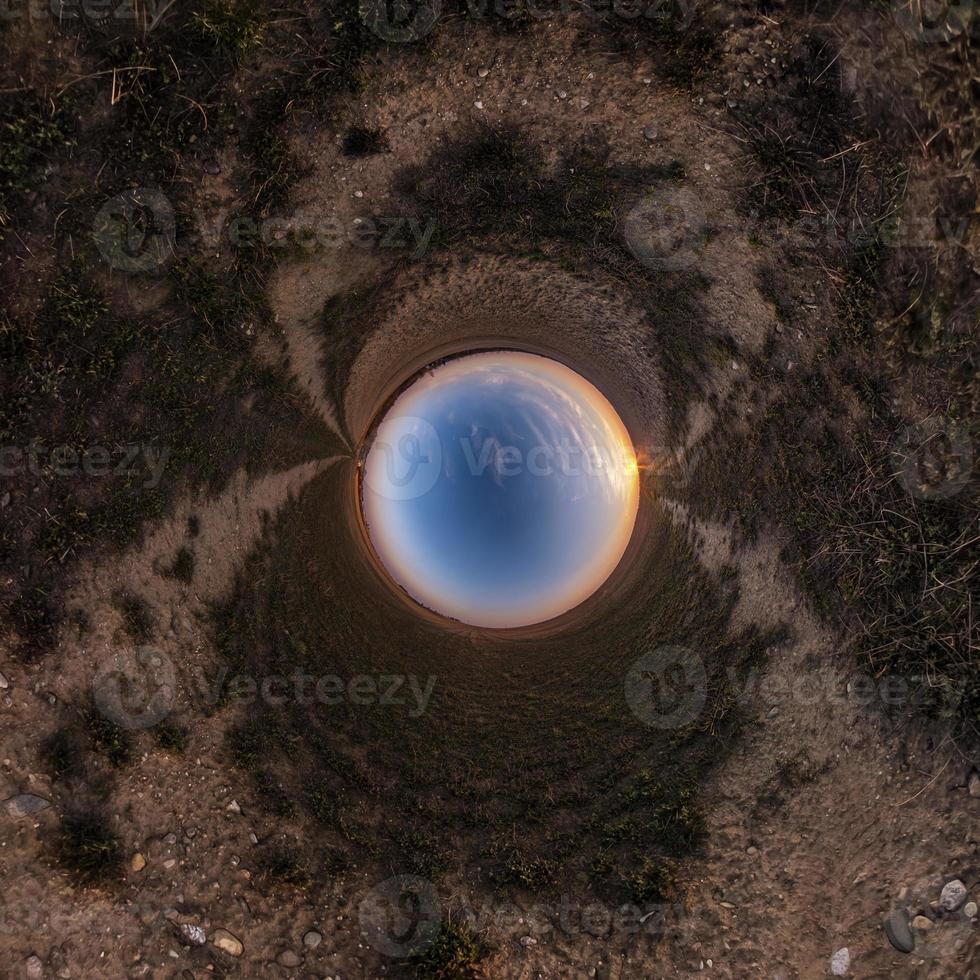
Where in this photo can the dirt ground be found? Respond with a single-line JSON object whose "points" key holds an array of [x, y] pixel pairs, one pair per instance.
{"points": [[754, 227]]}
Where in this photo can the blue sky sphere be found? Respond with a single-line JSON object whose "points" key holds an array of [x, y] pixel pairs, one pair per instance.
{"points": [[500, 489]]}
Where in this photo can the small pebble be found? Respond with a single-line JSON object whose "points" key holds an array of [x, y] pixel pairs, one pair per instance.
{"points": [[138, 862], [483, 72], [898, 931], [227, 942], [288, 959], [970, 910], [953, 895], [312, 939], [194, 935], [26, 805], [840, 962]]}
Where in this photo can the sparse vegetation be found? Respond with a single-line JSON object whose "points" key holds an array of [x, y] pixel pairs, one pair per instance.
{"points": [[31, 135], [113, 741], [171, 737], [88, 847], [911, 567], [654, 881], [231, 27], [454, 954], [285, 864]]}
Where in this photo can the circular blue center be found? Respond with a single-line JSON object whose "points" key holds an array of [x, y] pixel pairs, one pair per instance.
{"points": [[500, 489]]}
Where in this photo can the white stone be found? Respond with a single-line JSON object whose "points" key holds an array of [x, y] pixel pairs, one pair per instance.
{"points": [[840, 962], [195, 935]]}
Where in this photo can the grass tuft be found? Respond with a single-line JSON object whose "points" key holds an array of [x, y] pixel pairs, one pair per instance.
{"points": [[170, 737], [454, 954], [109, 738], [30, 137], [88, 847], [286, 864], [230, 27], [655, 880]]}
